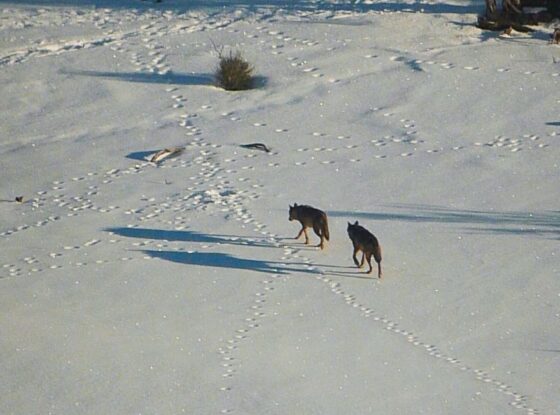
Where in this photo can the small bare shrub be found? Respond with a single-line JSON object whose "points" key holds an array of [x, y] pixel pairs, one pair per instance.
{"points": [[234, 73]]}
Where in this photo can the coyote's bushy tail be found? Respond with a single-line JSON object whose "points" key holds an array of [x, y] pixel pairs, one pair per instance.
{"points": [[377, 253], [325, 226]]}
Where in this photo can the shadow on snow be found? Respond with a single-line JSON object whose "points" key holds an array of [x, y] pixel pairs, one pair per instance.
{"points": [[209, 259], [150, 78], [221, 260], [187, 236], [166, 78], [507, 223]]}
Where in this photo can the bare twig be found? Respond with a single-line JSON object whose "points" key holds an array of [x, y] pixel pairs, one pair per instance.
{"points": [[256, 146], [491, 7], [218, 51], [512, 6]]}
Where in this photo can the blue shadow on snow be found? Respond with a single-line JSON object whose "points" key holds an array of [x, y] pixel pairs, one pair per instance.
{"points": [[221, 260], [187, 236]]}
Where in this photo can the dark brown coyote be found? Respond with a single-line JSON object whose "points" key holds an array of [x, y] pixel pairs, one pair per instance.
{"points": [[363, 240], [309, 217]]}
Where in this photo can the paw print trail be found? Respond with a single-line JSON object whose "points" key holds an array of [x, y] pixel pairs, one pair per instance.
{"points": [[515, 399]]}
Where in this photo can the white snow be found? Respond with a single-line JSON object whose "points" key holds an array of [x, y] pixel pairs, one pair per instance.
{"points": [[128, 287]]}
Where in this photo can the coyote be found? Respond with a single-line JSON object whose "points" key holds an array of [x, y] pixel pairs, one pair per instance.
{"points": [[363, 240], [309, 217]]}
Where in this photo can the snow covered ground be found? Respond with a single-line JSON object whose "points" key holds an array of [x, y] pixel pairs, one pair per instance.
{"points": [[131, 288]]}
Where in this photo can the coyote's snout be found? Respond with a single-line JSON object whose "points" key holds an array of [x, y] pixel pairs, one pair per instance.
{"points": [[309, 217]]}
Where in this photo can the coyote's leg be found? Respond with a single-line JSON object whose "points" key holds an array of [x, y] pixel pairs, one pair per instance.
{"points": [[319, 233], [379, 273], [356, 250], [368, 258], [300, 232]]}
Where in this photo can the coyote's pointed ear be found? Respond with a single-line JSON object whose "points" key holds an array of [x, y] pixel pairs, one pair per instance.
{"points": [[295, 204], [356, 223], [290, 206]]}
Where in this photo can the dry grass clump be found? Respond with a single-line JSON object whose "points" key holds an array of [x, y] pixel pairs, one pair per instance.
{"points": [[234, 73]]}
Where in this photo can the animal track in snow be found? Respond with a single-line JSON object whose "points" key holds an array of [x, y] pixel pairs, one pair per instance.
{"points": [[516, 399]]}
